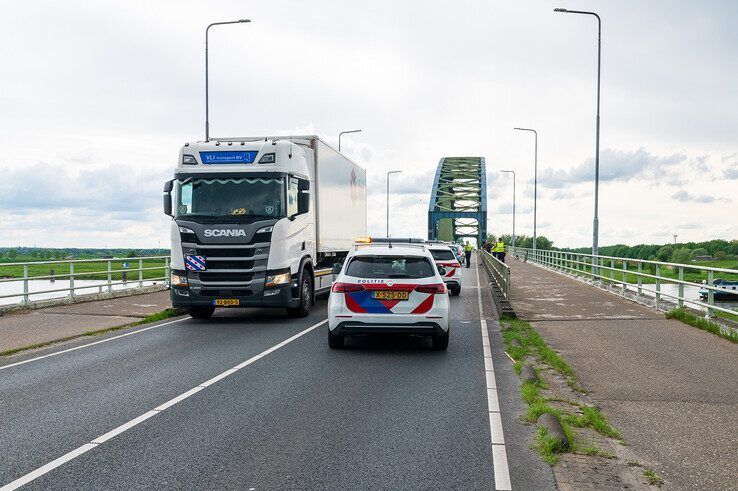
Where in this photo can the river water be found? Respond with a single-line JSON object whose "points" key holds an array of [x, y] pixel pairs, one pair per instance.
{"points": [[89, 286]]}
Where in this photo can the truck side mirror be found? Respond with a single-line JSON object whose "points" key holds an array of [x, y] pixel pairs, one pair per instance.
{"points": [[167, 198], [303, 202], [303, 185]]}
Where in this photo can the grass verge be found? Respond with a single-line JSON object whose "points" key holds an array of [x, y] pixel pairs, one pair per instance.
{"points": [[158, 316], [702, 323], [522, 341]]}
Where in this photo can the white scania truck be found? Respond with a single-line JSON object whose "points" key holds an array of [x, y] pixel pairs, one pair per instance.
{"points": [[260, 222]]}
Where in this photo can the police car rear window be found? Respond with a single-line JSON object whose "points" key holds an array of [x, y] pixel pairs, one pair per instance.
{"points": [[390, 267], [443, 255]]}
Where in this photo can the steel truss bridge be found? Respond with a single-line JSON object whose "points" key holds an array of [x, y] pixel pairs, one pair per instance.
{"points": [[458, 204]]}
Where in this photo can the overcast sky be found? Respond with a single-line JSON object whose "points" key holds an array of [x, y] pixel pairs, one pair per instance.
{"points": [[97, 97]]}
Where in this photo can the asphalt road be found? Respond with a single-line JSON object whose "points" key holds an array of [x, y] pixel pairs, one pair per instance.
{"points": [[284, 412]]}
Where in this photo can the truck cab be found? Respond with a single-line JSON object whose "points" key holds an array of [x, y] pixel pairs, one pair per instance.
{"points": [[243, 227]]}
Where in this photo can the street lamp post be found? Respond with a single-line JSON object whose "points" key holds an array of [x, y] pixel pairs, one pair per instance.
{"points": [[207, 101], [513, 232], [388, 176], [343, 132], [596, 221], [535, 186]]}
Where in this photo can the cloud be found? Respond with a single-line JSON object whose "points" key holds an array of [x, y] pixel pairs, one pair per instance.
{"points": [[685, 196], [121, 190], [616, 165], [731, 171]]}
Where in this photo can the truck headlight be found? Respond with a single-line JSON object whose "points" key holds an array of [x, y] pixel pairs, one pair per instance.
{"points": [[178, 280], [262, 230], [278, 279]]}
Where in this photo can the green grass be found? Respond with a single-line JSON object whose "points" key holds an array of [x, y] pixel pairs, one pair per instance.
{"points": [[548, 446], [702, 323], [88, 270], [652, 478], [592, 417]]}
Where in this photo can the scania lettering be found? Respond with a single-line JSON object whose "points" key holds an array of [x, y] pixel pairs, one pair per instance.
{"points": [[260, 222]]}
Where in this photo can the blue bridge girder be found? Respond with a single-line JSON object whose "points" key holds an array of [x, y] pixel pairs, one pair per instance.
{"points": [[458, 204]]}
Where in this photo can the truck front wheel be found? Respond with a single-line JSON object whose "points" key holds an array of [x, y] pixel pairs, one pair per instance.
{"points": [[306, 298]]}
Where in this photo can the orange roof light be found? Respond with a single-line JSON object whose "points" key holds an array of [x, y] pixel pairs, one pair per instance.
{"points": [[363, 240]]}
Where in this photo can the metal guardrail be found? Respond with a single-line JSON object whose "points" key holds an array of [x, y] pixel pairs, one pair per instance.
{"points": [[604, 269], [499, 271], [108, 283]]}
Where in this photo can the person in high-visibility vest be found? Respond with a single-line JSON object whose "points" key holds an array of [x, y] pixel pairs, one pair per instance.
{"points": [[467, 253], [500, 251]]}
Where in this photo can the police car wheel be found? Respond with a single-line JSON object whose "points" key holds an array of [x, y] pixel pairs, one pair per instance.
{"points": [[306, 298], [335, 341], [441, 342], [201, 312], [455, 290]]}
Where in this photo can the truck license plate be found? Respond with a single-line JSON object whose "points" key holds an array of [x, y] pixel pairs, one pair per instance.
{"points": [[226, 302], [390, 295]]}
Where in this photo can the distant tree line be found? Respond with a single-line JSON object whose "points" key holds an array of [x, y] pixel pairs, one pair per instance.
{"points": [[50, 254], [676, 253], [683, 252], [542, 242]]}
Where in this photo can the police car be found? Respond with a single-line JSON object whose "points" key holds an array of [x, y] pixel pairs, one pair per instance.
{"points": [[389, 288], [444, 257]]}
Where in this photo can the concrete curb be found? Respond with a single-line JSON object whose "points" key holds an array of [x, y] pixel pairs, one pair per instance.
{"points": [[529, 374], [551, 423]]}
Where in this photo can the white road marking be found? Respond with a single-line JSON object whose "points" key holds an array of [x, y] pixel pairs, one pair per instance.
{"points": [[499, 452], [91, 344], [135, 421]]}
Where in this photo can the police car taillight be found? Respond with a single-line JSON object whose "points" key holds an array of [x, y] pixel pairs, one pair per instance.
{"points": [[436, 288], [346, 287]]}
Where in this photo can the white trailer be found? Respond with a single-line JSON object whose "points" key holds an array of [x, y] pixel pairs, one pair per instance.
{"points": [[259, 222]]}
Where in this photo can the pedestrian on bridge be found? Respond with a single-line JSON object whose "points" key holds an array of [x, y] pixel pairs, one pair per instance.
{"points": [[498, 251], [467, 253]]}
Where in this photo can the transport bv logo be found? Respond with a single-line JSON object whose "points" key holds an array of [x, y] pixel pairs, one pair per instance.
{"points": [[221, 232]]}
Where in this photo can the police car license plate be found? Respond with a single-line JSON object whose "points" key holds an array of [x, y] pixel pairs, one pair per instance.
{"points": [[226, 302], [390, 295]]}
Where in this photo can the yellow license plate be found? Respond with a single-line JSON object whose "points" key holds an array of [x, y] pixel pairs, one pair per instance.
{"points": [[226, 302], [390, 295]]}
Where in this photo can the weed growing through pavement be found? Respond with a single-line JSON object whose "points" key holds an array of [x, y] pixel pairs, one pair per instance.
{"points": [[652, 478]]}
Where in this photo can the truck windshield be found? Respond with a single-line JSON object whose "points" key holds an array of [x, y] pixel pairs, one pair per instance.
{"points": [[246, 197]]}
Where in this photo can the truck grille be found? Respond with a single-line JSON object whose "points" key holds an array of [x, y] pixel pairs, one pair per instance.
{"points": [[238, 277]]}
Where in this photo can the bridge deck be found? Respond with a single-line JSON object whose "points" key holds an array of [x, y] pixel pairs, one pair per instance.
{"points": [[669, 388]]}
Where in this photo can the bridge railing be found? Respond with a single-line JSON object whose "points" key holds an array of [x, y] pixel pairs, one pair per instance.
{"points": [[671, 282], [24, 282], [499, 271]]}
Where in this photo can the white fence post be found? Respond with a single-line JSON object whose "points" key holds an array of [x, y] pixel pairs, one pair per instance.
{"points": [[140, 273], [710, 294], [25, 284], [71, 280], [110, 276], [681, 286]]}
